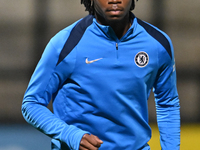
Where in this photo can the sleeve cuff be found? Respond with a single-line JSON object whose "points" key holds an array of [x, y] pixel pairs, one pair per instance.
{"points": [[72, 137]]}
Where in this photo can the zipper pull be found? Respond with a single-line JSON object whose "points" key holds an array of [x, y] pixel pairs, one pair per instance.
{"points": [[116, 46]]}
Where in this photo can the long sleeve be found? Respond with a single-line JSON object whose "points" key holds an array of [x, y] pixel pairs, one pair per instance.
{"points": [[167, 102], [44, 83]]}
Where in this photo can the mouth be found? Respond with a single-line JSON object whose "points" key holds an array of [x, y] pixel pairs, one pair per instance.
{"points": [[115, 10]]}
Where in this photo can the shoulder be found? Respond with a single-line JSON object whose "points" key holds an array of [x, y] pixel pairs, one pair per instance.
{"points": [[56, 43], [161, 37], [75, 29], [63, 34]]}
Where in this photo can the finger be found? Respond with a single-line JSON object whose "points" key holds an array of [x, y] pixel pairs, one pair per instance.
{"points": [[82, 148], [85, 144], [95, 141], [98, 140]]}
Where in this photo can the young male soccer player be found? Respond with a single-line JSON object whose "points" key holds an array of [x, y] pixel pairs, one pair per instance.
{"points": [[99, 72]]}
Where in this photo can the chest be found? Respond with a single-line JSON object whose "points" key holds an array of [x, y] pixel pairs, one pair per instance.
{"points": [[106, 61]]}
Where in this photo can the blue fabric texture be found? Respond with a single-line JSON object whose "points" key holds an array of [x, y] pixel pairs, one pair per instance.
{"points": [[101, 86]]}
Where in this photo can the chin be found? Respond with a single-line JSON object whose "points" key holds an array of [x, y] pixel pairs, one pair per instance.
{"points": [[114, 19]]}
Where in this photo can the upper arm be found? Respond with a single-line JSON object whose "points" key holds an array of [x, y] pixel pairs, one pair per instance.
{"points": [[48, 76], [165, 89]]}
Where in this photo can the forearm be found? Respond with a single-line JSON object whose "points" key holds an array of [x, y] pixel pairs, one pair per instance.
{"points": [[44, 120], [169, 127]]}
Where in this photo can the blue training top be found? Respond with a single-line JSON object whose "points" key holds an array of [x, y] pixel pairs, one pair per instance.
{"points": [[100, 84]]}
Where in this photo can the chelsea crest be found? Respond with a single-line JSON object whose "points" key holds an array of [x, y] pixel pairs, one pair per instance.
{"points": [[141, 59]]}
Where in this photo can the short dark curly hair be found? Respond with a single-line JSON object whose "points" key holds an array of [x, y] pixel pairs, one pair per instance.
{"points": [[90, 7]]}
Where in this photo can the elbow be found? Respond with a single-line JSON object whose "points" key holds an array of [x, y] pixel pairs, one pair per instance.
{"points": [[27, 109], [24, 110]]}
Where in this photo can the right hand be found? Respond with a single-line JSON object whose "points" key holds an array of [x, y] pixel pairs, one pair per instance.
{"points": [[90, 142]]}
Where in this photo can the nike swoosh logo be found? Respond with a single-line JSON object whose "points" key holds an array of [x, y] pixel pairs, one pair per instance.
{"points": [[89, 62]]}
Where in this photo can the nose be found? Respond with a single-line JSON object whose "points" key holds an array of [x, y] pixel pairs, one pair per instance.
{"points": [[114, 1]]}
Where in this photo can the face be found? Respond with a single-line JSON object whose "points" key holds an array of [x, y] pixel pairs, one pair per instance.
{"points": [[107, 11]]}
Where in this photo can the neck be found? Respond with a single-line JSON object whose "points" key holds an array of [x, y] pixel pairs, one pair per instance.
{"points": [[120, 27]]}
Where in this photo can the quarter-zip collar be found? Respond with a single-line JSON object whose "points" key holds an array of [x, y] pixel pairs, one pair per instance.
{"points": [[109, 32]]}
